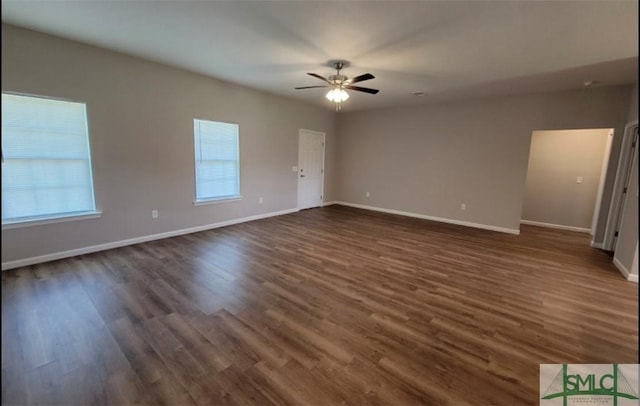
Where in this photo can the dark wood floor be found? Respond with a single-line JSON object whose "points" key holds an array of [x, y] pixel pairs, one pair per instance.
{"points": [[321, 307]]}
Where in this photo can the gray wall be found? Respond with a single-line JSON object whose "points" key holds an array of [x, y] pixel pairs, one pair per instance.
{"points": [[141, 129], [556, 158], [429, 159]]}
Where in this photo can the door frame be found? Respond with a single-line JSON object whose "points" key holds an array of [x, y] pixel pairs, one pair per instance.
{"points": [[601, 184], [324, 139], [625, 160]]}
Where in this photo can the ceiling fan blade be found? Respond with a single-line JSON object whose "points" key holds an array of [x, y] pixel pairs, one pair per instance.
{"points": [[309, 87], [315, 75], [360, 78], [362, 89]]}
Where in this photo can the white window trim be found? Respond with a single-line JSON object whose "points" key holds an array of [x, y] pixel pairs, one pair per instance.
{"points": [[39, 96], [29, 222], [221, 199], [217, 200]]}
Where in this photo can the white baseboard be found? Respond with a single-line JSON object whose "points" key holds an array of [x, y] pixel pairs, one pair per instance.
{"points": [[599, 245], [627, 274], [116, 244], [556, 226], [329, 203], [425, 217]]}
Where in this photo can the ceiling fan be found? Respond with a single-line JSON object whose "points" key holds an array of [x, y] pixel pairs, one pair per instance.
{"points": [[338, 83]]}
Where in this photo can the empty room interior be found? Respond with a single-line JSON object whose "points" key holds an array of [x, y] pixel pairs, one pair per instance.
{"points": [[317, 203]]}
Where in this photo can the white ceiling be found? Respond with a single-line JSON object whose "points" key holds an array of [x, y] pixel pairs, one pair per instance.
{"points": [[447, 49]]}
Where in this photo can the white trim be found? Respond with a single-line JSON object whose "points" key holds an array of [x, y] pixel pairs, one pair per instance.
{"points": [[627, 274], [598, 245], [217, 200], [556, 226], [116, 244], [51, 220], [329, 203], [425, 217], [39, 96]]}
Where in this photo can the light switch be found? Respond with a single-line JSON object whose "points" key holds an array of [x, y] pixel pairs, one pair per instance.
{"points": [[579, 179], [294, 169]]}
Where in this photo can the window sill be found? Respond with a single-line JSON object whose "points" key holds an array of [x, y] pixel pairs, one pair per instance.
{"points": [[51, 220], [218, 200]]}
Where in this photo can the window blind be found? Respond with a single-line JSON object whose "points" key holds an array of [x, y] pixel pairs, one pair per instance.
{"points": [[46, 168], [217, 159]]}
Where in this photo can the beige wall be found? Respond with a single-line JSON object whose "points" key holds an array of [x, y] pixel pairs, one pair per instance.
{"points": [[141, 129], [556, 158], [429, 159]]}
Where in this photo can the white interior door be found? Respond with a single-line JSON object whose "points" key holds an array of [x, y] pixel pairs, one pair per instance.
{"points": [[310, 169]]}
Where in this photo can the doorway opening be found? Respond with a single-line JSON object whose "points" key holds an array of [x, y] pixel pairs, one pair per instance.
{"points": [[566, 177]]}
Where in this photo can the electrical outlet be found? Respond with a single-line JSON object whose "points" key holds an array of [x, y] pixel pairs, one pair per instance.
{"points": [[154, 214], [579, 179], [463, 206], [260, 200], [367, 194]]}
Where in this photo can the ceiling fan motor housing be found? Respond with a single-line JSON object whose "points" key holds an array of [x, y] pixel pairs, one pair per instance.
{"points": [[337, 79]]}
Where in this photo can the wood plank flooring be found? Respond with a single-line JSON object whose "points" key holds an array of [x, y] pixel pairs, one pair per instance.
{"points": [[321, 307]]}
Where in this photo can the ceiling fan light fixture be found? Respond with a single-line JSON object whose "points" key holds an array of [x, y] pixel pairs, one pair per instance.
{"points": [[338, 83], [337, 95]]}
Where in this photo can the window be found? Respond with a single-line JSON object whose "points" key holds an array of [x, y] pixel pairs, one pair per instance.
{"points": [[217, 156], [46, 161]]}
